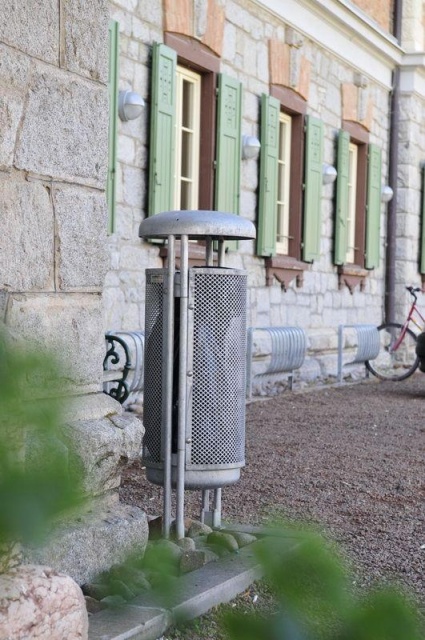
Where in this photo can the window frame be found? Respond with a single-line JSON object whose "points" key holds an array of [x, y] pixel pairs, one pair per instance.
{"points": [[190, 127], [293, 105], [360, 138], [353, 159], [283, 183], [192, 55]]}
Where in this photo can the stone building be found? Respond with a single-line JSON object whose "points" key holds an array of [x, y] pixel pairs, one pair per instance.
{"points": [[323, 78], [319, 83]]}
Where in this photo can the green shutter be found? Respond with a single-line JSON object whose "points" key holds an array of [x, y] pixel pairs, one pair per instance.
{"points": [[373, 211], [227, 184], [266, 241], [162, 128], [113, 122], [312, 189], [341, 214], [422, 246]]}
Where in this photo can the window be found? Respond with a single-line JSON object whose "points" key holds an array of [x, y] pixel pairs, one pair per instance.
{"points": [[289, 221], [195, 131], [188, 99], [283, 183], [352, 198], [358, 200]]}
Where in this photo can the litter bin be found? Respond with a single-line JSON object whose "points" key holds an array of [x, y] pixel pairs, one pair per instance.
{"points": [[195, 358]]}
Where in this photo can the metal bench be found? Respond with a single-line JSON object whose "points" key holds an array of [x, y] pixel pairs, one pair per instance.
{"points": [[288, 348], [123, 364], [367, 345]]}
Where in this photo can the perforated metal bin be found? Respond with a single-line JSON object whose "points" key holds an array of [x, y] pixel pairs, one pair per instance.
{"points": [[195, 361], [215, 430]]}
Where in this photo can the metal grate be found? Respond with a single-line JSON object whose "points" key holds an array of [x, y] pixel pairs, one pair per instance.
{"points": [[153, 365], [219, 367]]}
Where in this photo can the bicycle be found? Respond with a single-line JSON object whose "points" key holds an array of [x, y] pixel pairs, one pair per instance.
{"points": [[397, 358]]}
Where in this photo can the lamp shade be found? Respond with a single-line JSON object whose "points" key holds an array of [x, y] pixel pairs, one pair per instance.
{"points": [[130, 105], [250, 147]]}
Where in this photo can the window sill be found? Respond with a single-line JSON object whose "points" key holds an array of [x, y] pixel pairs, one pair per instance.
{"points": [[285, 269], [196, 257], [351, 276]]}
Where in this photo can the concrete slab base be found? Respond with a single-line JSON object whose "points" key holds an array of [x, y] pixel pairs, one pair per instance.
{"points": [[195, 594]]}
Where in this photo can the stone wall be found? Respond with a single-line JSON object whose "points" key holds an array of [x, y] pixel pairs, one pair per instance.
{"points": [[53, 162]]}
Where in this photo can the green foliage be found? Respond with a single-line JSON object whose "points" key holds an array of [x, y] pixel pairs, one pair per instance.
{"points": [[312, 586], [35, 482]]}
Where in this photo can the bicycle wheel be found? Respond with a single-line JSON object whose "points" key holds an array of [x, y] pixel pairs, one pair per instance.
{"points": [[395, 364]]}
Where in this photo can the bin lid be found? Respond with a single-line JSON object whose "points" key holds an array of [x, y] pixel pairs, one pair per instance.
{"points": [[195, 224]]}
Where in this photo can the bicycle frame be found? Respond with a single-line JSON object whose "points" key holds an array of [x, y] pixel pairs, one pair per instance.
{"points": [[414, 311]]}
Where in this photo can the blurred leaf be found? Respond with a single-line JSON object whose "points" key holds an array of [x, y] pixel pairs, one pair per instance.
{"points": [[385, 615], [311, 583], [36, 482], [309, 578]]}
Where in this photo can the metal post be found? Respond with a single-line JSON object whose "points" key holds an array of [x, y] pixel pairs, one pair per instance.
{"points": [[221, 253], [168, 385], [209, 255], [339, 374], [205, 504], [183, 373], [216, 523]]}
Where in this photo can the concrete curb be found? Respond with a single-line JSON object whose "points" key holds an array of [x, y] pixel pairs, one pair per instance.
{"points": [[196, 593]]}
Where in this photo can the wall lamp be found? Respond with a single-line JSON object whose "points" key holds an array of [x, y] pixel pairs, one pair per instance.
{"points": [[386, 193], [250, 147], [130, 105], [328, 173]]}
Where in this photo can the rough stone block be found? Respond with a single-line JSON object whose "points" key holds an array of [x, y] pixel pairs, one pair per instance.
{"points": [[26, 236], [31, 26], [67, 118], [86, 547], [349, 101], [225, 540], [70, 325], [192, 560], [86, 41], [14, 68], [279, 54], [102, 447], [91, 407], [39, 603], [10, 114], [81, 232]]}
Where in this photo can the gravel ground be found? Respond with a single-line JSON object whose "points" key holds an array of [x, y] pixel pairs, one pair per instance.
{"points": [[349, 459]]}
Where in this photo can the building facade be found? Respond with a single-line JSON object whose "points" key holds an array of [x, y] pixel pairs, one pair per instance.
{"points": [[315, 83]]}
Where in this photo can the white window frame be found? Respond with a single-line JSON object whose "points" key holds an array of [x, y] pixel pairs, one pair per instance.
{"points": [[192, 131], [353, 152], [284, 183]]}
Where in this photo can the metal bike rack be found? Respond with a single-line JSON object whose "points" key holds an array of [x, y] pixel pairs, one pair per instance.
{"points": [[288, 347], [368, 344], [195, 362]]}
